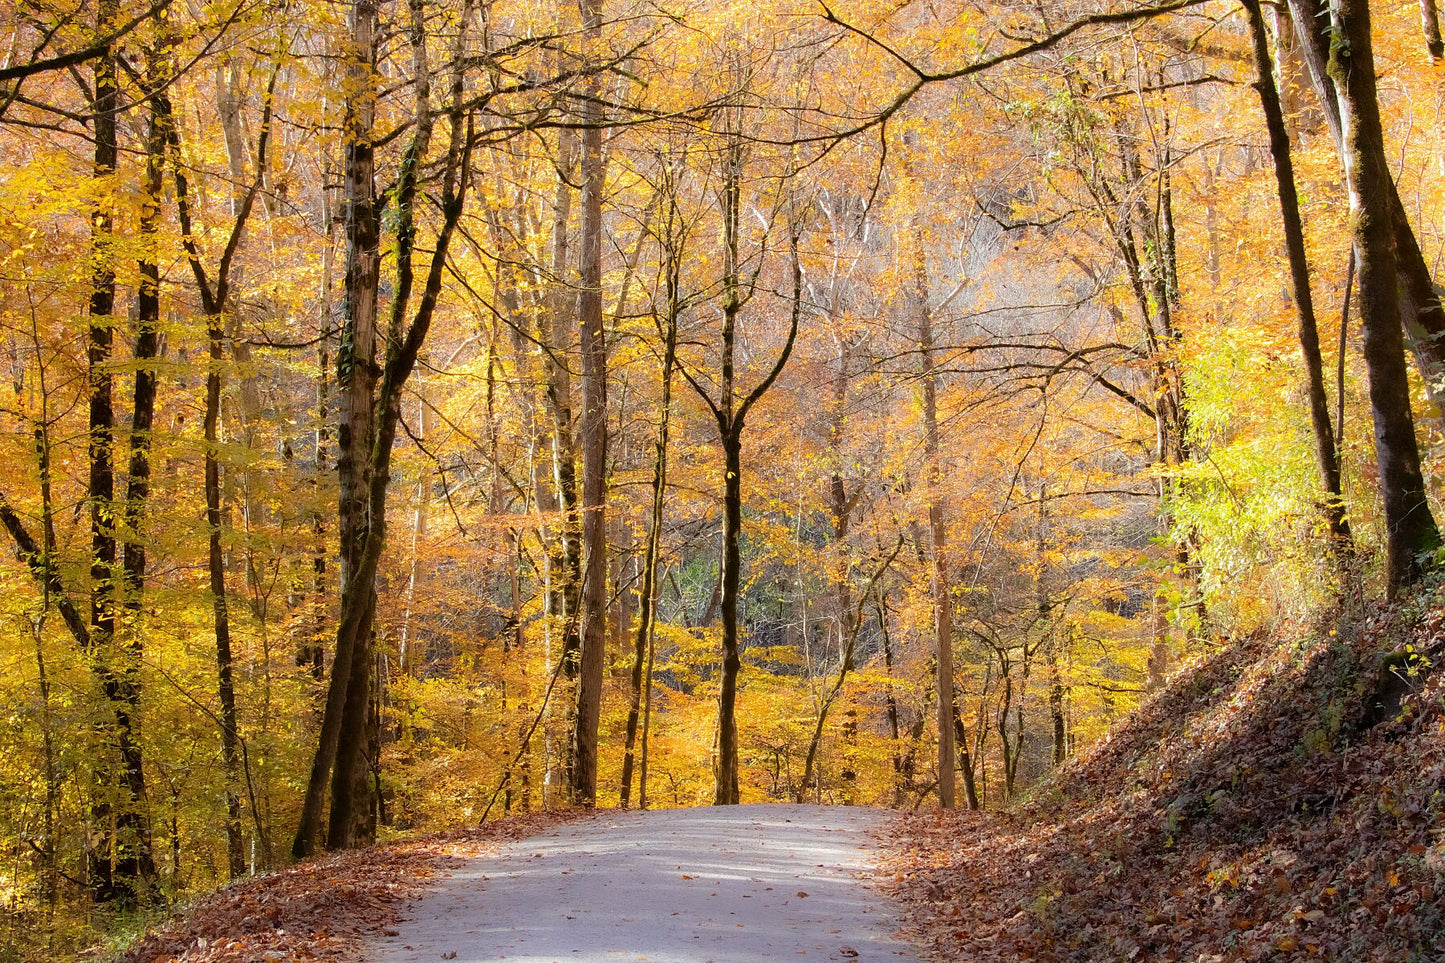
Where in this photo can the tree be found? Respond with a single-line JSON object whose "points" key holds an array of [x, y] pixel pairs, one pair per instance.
{"points": [[672, 234], [1421, 311], [1326, 452], [594, 433], [730, 410], [371, 407], [938, 533], [215, 304], [1411, 534]]}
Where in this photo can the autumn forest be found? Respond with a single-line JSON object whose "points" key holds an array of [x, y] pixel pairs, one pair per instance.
{"points": [[421, 412]]}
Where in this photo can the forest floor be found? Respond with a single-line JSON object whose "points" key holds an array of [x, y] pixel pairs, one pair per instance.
{"points": [[1279, 799], [326, 909]]}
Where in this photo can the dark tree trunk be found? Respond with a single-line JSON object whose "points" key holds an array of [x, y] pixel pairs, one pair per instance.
{"points": [[1057, 694], [891, 704], [646, 716], [730, 427], [352, 819], [119, 865], [216, 563], [1418, 301], [134, 858], [50, 878], [965, 757], [356, 379], [727, 735], [1008, 749], [1341, 543], [1410, 527], [100, 485], [215, 300], [730, 414], [355, 807]]}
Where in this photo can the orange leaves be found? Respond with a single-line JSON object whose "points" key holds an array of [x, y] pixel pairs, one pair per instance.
{"points": [[322, 909]]}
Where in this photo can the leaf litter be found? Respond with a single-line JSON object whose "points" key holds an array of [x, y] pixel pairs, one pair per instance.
{"points": [[323, 910], [1262, 806]]}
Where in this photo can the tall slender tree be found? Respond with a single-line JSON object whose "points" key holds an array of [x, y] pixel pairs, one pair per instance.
{"points": [[730, 410], [592, 339], [1326, 454], [1410, 531], [672, 235]]}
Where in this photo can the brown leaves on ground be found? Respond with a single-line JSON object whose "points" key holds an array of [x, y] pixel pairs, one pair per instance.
{"points": [[1262, 807], [323, 909]]}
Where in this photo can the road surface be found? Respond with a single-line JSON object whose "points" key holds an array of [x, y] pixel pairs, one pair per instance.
{"points": [[731, 884]]}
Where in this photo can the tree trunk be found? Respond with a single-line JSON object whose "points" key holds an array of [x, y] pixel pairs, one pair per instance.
{"points": [[1292, 76], [1418, 300], [965, 758], [122, 681], [1326, 455], [355, 800], [246, 410], [353, 814], [852, 624], [100, 485], [1057, 694], [647, 600], [50, 879], [1410, 527], [409, 662], [230, 747], [891, 705], [356, 378], [1008, 749], [727, 792], [942, 590], [730, 414], [312, 652], [1430, 27], [215, 300], [646, 719], [511, 243], [729, 425], [564, 597], [592, 341]]}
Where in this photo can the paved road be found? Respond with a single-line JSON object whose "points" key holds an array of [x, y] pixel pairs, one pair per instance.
{"points": [[718, 885]]}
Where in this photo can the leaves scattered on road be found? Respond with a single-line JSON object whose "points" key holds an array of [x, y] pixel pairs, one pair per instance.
{"points": [[323, 909]]}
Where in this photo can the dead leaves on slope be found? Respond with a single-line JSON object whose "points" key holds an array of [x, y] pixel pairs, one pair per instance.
{"points": [[1250, 812], [323, 909]]}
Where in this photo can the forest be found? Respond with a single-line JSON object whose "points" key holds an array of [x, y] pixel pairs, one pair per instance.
{"points": [[426, 411]]}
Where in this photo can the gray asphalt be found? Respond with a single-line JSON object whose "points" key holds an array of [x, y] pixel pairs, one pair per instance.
{"points": [[713, 885]]}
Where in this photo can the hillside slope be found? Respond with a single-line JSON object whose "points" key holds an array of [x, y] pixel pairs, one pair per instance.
{"points": [[1277, 800], [327, 908]]}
